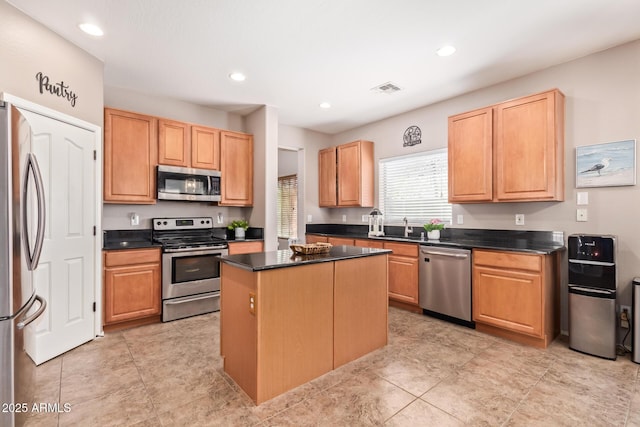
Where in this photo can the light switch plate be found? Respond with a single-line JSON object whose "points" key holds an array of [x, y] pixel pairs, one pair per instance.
{"points": [[309, 218], [344, 218], [519, 219], [460, 219], [582, 198], [365, 218], [135, 219], [581, 215]]}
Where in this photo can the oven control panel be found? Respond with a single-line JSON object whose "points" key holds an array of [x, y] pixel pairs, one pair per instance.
{"points": [[182, 223]]}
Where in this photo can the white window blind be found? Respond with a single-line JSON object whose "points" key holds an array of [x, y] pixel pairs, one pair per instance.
{"points": [[415, 186], [288, 207]]}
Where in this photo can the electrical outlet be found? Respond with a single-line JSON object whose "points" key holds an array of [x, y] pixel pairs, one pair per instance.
{"points": [[252, 303], [625, 316], [135, 219], [519, 219], [220, 218], [309, 218], [365, 218], [581, 215], [460, 219], [344, 218]]}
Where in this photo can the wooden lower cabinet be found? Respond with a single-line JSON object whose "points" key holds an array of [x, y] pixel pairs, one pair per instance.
{"points": [[245, 247], [314, 238], [515, 295], [132, 287], [283, 327], [338, 241], [403, 272]]}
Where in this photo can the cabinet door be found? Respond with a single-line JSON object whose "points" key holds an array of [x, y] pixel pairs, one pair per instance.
{"points": [[131, 292], [174, 143], [236, 166], [529, 144], [403, 279], [205, 148], [508, 299], [130, 157], [355, 174], [327, 177], [470, 156]]}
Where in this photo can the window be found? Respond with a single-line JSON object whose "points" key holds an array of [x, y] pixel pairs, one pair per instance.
{"points": [[288, 207], [415, 186]]}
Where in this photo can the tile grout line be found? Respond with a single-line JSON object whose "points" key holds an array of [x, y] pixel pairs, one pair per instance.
{"points": [[144, 385]]}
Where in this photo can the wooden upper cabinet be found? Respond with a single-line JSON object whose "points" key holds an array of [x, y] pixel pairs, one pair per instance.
{"points": [[189, 146], [471, 156], [529, 148], [130, 157], [512, 151], [174, 143], [345, 175], [205, 148], [236, 166], [355, 174], [327, 192]]}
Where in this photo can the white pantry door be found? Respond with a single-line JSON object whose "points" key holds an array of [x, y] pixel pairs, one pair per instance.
{"points": [[66, 271]]}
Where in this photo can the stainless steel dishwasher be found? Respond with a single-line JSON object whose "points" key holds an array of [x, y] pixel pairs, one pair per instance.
{"points": [[445, 284]]}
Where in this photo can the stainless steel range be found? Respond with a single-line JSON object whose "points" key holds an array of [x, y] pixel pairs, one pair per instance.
{"points": [[190, 269]]}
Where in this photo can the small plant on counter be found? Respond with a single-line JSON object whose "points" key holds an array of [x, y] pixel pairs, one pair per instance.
{"points": [[238, 223], [434, 224]]}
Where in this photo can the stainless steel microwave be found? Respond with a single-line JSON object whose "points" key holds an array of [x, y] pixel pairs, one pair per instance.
{"points": [[195, 185]]}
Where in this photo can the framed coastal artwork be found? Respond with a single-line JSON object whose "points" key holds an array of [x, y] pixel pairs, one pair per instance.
{"points": [[606, 165]]}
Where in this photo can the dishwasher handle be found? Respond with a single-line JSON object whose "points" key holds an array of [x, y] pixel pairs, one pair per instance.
{"points": [[447, 254]]}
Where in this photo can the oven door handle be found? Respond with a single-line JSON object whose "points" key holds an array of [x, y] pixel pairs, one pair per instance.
{"points": [[178, 250], [190, 299]]}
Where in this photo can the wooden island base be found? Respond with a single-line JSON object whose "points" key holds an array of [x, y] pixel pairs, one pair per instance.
{"points": [[283, 327]]}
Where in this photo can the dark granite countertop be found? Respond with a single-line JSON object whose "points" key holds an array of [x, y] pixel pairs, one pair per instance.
{"points": [[539, 242], [286, 258], [127, 239]]}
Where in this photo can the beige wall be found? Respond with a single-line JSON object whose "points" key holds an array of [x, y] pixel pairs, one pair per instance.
{"points": [[602, 105], [27, 48], [159, 106]]}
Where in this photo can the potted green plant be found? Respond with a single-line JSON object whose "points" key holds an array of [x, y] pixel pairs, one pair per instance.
{"points": [[239, 226], [433, 228]]}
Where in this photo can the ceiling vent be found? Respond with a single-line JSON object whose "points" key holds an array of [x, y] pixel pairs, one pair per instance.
{"points": [[387, 87]]}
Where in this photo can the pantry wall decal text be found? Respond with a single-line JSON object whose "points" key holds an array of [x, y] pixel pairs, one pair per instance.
{"points": [[59, 89]]}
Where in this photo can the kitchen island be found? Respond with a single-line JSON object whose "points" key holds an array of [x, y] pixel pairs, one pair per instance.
{"points": [[286, 319]]}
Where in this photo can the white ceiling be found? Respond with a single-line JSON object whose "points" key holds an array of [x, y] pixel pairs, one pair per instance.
{"points": [[298, 53]]}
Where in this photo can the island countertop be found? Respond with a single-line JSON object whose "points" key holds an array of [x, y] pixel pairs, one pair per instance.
{"points": [[286, 258]]}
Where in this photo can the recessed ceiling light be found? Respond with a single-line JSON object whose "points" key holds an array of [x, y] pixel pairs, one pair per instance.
{"points": [[91, 29], [325, 105], [446, 50], [237, 77]]}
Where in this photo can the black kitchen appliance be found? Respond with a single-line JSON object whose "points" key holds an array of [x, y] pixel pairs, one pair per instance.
{"points": [[592, 295]]}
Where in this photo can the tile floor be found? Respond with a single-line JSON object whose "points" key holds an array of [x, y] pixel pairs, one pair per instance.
{"points": [[432, 373]]}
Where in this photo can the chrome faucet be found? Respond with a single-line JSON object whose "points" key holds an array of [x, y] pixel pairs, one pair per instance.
{"points": [[407, 228]]}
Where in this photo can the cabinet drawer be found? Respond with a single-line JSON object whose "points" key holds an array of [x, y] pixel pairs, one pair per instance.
{"points": [[403, 249], [131, 257], [337, 241], [366, 243], [314, 238], [512, 260], [244, 247]]}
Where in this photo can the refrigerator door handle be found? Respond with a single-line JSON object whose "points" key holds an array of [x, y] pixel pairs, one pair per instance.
{"points": [[34, 316], [34, 258]]}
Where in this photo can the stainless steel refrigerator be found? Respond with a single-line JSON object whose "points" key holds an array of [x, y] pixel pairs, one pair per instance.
{"points": [[22, 221]]}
